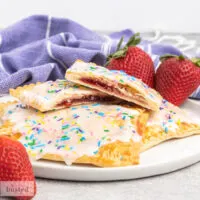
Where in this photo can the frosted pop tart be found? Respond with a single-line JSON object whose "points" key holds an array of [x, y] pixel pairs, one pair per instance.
{"points": [[97, 134], [58, 94], [115, 83]]}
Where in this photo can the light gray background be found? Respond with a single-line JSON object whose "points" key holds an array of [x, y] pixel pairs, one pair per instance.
{"points": [[142, 15]]}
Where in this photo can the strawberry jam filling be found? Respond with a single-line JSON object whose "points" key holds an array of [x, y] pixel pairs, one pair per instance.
{"points": [[102, 85], [113, 89], [89, 98]]}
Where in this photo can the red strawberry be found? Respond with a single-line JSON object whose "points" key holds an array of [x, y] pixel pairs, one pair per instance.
{"points": [[177, 77], [15, 165], [133, 60]]}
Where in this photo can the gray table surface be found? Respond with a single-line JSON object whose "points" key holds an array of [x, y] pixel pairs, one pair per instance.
{"points": [[180, 185]]}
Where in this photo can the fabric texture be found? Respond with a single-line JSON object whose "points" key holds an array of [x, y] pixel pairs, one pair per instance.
{"points": [[41, 48]]}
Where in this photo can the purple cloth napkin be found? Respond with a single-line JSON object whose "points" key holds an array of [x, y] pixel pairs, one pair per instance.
{"points": [[41, 48]]}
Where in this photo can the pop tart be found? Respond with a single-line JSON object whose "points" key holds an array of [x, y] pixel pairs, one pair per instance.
{"points": [[115, 83], [53, 95], [98, 134]]}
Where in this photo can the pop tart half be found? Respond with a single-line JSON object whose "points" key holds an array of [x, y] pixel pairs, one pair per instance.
{"points": [[115, 83], [53, 95]]}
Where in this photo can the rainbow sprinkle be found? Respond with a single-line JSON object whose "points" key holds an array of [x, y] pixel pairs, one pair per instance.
{"points": [[68, 131]]}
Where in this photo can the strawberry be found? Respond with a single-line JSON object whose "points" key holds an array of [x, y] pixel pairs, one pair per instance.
{"points": [[133, 60], [177, 77], [15, 164]]}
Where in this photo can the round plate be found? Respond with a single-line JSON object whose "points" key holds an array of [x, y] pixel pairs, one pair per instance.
{"points": [[166, 157]]}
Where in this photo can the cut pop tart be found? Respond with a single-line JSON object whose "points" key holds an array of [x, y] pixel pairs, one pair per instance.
{"points": [[58, 94], [115, 83]]}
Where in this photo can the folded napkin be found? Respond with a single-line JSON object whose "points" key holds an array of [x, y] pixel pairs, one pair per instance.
{"points": [[41, 48]]}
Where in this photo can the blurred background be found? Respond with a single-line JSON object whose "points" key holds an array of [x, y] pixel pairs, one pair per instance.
{"points": [[106, 15]]}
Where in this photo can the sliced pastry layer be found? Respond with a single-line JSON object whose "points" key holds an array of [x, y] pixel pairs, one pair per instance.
{"points": [[167, 123], [114, 82], [102, 135], [58, 94]]}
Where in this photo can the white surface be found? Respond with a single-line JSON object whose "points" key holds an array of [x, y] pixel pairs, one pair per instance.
{"points": [[143, 15], [164, 158]]}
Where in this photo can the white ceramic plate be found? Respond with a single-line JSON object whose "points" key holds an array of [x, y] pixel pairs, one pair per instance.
{"points": [[164, 158]]}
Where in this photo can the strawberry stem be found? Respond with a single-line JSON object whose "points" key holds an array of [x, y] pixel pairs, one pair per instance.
{"points": [[134, 40], [121, 52], [181, 57], [167, 56], [120, 43], [196, 61]]}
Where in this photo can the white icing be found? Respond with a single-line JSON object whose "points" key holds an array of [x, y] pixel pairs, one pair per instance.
{"points": [[168, 117], [94, 124]]}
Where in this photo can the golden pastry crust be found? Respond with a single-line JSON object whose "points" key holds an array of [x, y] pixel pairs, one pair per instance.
{"points": [[116, 154], [154, 135], [114, 83], [3, 106], [17, 92], [170, 122]]}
